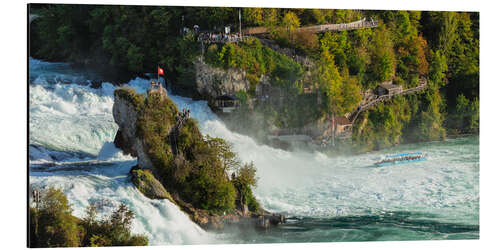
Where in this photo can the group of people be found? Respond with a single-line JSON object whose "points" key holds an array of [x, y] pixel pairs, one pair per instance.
{"points": [[181, 119], [371, 21], [403, 158], [219, 37], [156, 84], [186, 30], [213, 37], [184, 115]]}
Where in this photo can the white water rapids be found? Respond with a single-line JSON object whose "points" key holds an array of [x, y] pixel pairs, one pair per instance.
{"points": [[71, 126]]}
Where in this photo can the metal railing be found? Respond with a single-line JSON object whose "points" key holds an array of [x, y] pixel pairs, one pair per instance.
{"points": [[360, 24], [220, 38], [374, 99]]}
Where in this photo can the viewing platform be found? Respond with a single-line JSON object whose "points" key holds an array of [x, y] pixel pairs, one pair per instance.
{"points": [[220, 38], [156, 87], [226, 103]]}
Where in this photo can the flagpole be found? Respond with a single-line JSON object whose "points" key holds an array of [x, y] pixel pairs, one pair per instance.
{"points": [[333, 129]]}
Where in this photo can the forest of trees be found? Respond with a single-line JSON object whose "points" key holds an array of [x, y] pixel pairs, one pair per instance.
{"points": [[441, 46]]}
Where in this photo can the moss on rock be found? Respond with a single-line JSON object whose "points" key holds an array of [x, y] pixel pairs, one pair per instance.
{"points": [[132, 97], [147, 184]]}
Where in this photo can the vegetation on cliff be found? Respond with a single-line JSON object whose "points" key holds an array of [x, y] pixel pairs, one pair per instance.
{"points": [[191, 165], [349, 62], [406, 46], [256, 60], [53, 225], [441, 46]]}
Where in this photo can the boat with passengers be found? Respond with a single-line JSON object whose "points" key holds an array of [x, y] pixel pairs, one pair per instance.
{"points": [[401, 158]]}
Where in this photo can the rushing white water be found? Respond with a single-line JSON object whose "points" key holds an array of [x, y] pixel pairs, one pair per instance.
{"points": [[71, 126], [312, 184]]}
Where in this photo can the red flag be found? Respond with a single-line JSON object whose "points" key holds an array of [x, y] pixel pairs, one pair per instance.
{"points": [[160, 71]]}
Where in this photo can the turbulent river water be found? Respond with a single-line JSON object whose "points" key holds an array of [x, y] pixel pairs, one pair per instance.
{"points": [[343, 198]]}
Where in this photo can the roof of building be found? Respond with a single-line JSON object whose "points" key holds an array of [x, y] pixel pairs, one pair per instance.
{"points": [[227, 97], [341, 120], [389, 86]]}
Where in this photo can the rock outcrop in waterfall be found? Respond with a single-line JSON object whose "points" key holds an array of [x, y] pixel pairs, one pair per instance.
{"points": [[175, 161]]}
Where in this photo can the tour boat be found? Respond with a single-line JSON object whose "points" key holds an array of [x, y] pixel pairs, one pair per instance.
{"points": [[401, 158]]}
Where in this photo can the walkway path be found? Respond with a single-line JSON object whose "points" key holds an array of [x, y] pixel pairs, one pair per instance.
{"points": [[371, 100], [361, 24]]}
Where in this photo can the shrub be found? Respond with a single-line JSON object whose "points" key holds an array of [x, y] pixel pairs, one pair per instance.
{"points": [[210, 189], [114, 231], [306, 41], [51, 221], [244, 179]]}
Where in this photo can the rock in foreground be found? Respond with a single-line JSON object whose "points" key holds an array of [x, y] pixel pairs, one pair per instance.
{"points": [[144, 180]]}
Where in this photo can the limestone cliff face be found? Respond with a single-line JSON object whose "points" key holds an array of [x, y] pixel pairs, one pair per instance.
{"points": [[125, 115], [212, 82]]}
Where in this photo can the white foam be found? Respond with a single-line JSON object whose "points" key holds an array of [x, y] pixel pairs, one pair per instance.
{"points": [[70, 118], [109, 152], [76, 118], [313, 184]]}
